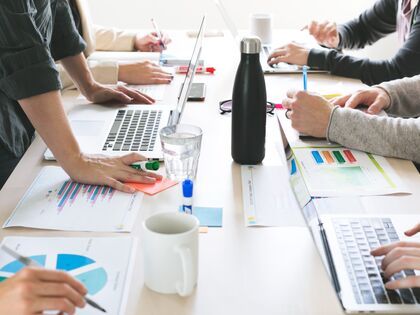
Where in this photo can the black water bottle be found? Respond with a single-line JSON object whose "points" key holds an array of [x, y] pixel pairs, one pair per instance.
{"points": [[249, 101]]}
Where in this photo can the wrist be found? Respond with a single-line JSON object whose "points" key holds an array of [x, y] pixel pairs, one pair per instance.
{"points": [[122, 72]]}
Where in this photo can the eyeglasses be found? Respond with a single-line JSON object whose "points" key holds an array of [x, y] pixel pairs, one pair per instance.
{"points": [[226, 107]]}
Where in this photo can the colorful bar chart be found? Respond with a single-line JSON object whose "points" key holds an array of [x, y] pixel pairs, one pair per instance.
{"points": [[333, 157], [70, 191]]}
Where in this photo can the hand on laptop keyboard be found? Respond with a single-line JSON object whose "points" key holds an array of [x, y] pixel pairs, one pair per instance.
{"points": [[98, 93], [292, 53], [401, 256], [110, 171]]}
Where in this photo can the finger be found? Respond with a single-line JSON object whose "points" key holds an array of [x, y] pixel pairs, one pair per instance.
{"points": [[51, 289], [278, 52], [403, 283], [162, 75], [119, 96], [136, 96], [130, 177], [287, 103], [61, 277], [404, 262], [340, 100], [117, 185], [151, 174], [312, 27], [354, 100], [160, 81], [383, 250], [375, 108], [278, 60], [291, 93], [53, 304], [414, 230], [397, 253], [132, 158]]}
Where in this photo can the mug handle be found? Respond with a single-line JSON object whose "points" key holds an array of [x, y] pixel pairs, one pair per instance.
{"points": [[187, 286]]}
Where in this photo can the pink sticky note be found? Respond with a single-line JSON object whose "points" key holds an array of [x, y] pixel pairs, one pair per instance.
{"points": [[153, 189]]}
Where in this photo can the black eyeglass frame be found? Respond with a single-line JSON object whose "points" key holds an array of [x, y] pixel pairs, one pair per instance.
{"points": [[269, 108]]}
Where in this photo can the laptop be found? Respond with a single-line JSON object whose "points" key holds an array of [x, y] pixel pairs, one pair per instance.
{"points": [[280, 68], [123, 129], [344, 242]]}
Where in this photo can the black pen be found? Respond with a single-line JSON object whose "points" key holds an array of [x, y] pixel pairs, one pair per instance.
{"points": [[30, 262]]}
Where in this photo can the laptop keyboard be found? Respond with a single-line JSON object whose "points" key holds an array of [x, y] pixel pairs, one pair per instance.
{"points": [[357, 237], [133, 130]]}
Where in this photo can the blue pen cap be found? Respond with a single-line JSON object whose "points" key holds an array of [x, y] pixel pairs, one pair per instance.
{"points": [[187, 188]]}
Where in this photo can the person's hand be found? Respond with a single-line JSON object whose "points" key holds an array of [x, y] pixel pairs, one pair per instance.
{"points": [[151, 42], [32, 291], [375, 98], [325, 33], [400, 256], [143, 72], [292, 53], [309, 113], [110, 171], [98, 93]]}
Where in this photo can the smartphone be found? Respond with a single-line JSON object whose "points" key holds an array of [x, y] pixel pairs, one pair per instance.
{"points": [[197, 92]]}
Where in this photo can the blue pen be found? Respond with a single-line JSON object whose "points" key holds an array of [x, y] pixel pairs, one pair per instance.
{"points": [[187, 192], [305, 77]]}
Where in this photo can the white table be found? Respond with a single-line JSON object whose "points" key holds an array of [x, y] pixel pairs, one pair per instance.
{"points": [[243, 271]]}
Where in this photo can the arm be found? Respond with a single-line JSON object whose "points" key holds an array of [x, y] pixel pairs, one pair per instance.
{"points": [[405, 63], [370, 26], [404, 96], [112, 39], [395, 137]]}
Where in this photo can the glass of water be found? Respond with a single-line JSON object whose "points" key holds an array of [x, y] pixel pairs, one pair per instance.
{"points": [[181, 145]]}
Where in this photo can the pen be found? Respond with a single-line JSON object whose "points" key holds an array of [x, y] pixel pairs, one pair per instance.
{"points": [[305, 77], [30, 262], [204, 70], [187, 192], [159, 33], [146, 165]]}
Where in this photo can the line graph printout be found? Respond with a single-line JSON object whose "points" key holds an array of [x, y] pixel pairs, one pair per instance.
{"points": [[55, 202], [87, 259]]}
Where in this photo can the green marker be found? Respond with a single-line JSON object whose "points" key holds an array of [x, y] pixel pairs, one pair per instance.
{"points": [[146, 165], [339, 157]]}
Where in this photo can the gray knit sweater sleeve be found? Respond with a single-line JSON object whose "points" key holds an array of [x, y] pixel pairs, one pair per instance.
{"points": [[388, 136]]}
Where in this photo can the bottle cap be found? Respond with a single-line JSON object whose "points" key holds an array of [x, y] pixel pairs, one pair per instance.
{"points": [[152, 165], [187, 188], [250, 45]]}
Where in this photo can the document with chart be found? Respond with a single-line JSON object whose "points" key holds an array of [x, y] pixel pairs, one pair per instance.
{"points": [[55, 202], [105, 275], [337, 171]]}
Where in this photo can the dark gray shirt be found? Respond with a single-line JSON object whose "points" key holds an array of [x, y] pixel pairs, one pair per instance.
{"points": [[33, 33], [369, 27]]}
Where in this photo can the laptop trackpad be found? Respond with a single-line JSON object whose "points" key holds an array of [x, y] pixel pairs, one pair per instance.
{"points": [[87, 128]]}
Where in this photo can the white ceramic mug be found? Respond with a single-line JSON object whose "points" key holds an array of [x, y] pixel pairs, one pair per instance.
{"points": [[261, 26], [170, 242]]}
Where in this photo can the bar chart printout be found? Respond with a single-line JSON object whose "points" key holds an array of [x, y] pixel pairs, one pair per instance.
{"points": [[338, 171], [86, 259], [55, 202]]}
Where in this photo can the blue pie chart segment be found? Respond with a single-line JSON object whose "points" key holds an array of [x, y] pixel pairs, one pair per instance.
{"points": [[94, 280], [68, 262], [16, 266]]}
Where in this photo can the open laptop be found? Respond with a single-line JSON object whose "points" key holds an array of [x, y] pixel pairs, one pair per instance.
{"points": [[123, 129], [344, 242], [280, 68]]}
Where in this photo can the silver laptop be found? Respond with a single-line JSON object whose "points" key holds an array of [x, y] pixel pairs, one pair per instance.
{"points": [[280, 68], [344, 243], [117, 130]]}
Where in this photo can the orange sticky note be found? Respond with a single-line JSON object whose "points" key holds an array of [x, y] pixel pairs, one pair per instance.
{"points": [[153, 189]]}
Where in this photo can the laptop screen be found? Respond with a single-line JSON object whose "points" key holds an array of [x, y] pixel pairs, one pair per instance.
{"points": [[189, 77]]}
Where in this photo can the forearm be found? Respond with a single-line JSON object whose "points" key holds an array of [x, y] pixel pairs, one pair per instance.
{"points": [[404, 95], [78, 69], [370, 26], [112, 39], [46, 113], [394, 137]]}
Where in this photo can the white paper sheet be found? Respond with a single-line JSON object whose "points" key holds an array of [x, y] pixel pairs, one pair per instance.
{"points": [[54, 202], [268, 198], [357, 174], [105, 275]]}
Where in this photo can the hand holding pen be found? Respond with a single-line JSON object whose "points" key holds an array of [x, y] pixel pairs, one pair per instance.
{"points": [[153, 42], [45, 290]]}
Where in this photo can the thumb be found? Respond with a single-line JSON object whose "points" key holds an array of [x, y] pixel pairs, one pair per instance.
{"points": [[132, 158]]}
